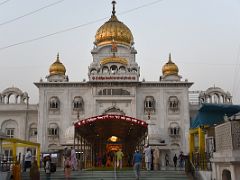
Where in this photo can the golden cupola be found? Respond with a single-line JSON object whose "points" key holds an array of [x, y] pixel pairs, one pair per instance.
{"points": [[115, 30], [57, 68], [170, 68]]}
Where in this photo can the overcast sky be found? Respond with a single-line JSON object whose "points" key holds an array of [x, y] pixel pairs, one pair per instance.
{"points": [[202, 35]]}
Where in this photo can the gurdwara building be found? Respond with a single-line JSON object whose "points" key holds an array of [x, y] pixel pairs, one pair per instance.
{"points": [[113, 108]]}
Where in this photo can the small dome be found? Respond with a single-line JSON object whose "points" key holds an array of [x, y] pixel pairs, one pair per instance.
{"points": [[170, 68], [115, 30], [57, 68]]}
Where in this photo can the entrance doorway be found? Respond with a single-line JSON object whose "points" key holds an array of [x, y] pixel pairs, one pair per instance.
{"points": [[105, 134]]}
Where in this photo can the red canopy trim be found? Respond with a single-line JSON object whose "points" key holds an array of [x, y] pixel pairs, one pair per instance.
{"points": [[111, 117]]}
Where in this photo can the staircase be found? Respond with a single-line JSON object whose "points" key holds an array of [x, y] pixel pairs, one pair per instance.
{"points": [[121, 175]]}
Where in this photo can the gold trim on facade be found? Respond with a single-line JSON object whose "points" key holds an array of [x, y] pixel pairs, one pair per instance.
{"points": [[114, 60]]}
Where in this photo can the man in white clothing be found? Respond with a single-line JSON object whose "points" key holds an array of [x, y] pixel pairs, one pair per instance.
{"points": [[148, 157]]}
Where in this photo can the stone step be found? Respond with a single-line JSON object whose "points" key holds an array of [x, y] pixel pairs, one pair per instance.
{"points": [[109, 175]]}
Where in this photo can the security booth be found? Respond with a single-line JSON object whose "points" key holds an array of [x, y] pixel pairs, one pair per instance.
{"points": [[11, 164], [13, 144], [101, 136]]}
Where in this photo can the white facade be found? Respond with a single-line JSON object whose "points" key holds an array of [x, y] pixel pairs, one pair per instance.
{"points": [[113, 87]]}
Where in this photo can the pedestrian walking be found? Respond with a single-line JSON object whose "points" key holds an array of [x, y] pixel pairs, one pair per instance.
{"points": [[166, 160], [48, 167], [27, 160], [175, 160], [34, 171], [119, 156], [148, 157], [181, 159], [67, 168], [137, 161], [73, 159]]}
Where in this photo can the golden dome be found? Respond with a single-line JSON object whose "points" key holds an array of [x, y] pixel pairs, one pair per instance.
{"points": [[115, 30], [170, 68], [57, 68]]}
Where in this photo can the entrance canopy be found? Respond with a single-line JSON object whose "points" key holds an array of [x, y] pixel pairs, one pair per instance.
{"points": [[101, 128]]}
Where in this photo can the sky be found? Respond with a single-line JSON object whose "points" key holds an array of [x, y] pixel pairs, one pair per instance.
{"points": [[202, 36]]}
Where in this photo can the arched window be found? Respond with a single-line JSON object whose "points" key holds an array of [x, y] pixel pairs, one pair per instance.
{"points": [[54, 103], [105, 70], [173, 103], [149, 104], [134, 70], [53, 129], [93, 71], [114, 69], [33, 130], [78, 103], [174, 130], [122, 69], [10, 127], [226, 175]]}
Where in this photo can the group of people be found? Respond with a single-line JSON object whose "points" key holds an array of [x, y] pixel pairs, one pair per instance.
{"points": [[70, 164], [30, 163], [110, 159], [152, 160]]}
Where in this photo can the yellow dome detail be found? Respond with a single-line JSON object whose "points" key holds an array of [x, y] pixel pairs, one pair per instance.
{"points": [[170, 68], [115, 30], [57, 68]]}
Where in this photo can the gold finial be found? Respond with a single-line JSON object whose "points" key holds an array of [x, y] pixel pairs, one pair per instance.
{"points": [[58, 57], [113, 11], [170, 58]]}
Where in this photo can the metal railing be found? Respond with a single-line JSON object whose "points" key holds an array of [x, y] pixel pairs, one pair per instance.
{"points": [[202, 161], [6, 163]]}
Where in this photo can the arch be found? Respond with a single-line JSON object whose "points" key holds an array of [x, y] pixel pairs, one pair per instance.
{"points": [[114, 110], [173, 103], [33, 129], [93, 71], [78, 103], [216, 95], [114, 69], [133, 70], [226, 174], [149, 104], [122, 69], [54, 103], [53, 129], [174, 129], [14, 95], [105, 70], [10, 127]]}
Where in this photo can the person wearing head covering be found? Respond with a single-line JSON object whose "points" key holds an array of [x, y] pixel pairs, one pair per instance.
{"points": [[148, 157], [67, 168], [34, 171], [48, 167], [137, 161], [73, 159]]}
